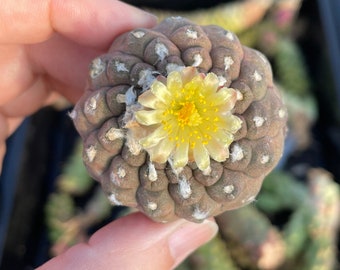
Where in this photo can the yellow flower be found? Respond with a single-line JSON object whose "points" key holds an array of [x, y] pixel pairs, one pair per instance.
{"points": [[187, 117]]}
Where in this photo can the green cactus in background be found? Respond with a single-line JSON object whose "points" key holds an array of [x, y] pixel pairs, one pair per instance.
{"points": [[282, 192], [253, 241], [324, 223], [290, 68], [68, 223], [74, 179], [60, 208], [214, 255]]}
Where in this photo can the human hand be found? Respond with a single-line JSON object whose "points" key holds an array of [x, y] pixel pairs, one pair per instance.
{"points": [[45, 49], [136, 242]]}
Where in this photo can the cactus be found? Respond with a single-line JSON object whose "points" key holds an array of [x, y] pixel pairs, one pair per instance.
{"points": [[180, 121], [253, 241], [74, 179], [59, 209], [213, 255], [312, 226], [281, 191], [290, 67], [324, 224]]}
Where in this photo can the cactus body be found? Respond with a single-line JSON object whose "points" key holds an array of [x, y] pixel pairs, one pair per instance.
{"points": [[180, 121]]}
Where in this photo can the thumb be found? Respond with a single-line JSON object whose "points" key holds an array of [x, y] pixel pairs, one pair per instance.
{"points": [[135, 242]]}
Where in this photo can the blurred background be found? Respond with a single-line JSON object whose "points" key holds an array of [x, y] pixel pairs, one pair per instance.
{"points": [[48, 202]]}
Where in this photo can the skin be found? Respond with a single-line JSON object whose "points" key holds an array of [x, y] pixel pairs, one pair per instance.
{"points": [[45, 49]]}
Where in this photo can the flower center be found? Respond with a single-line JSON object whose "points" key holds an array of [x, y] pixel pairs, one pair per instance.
{"points": [[188, 115]]}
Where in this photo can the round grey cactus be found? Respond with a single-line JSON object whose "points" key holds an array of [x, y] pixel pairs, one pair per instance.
{"points": [[180, 121]]}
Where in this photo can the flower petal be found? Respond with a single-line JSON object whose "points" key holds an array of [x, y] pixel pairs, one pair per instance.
{"points": [[217, 150], [210, 83], [160, 91], [201, 157], [162, 152], [195, 84], [148, 118], [154, 138], [226, 97], [231, 123], [188, 73], [149, 100], [174, 81], [227, 106], [224, 137], [181, 155]]}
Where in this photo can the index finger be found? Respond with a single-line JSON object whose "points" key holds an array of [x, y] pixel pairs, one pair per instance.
{"points": [[87, 22]]}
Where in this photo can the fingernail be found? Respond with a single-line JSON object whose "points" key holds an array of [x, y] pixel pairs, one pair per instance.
{"points": [[151, 17], [189, 236], [144, 17]]}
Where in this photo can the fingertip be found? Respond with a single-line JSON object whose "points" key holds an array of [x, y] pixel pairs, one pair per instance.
{"points": [[97, 23], [140, 17], [88, 22], [134, 241]]}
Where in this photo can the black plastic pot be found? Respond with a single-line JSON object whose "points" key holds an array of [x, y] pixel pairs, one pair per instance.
{"points": [[35, 155]]}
